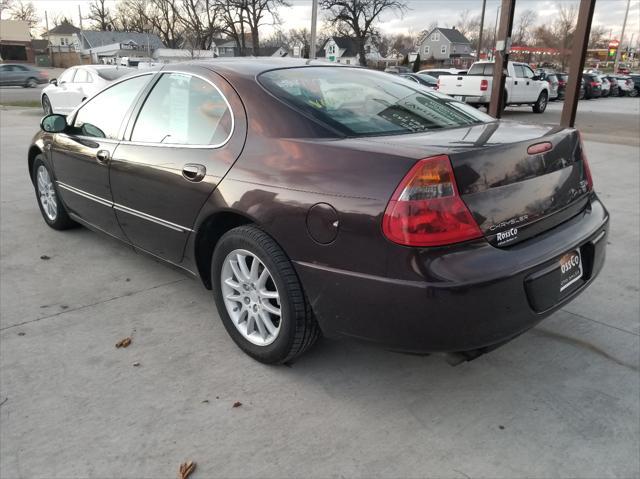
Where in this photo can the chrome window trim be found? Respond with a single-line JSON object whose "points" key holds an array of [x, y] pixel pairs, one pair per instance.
{"points": [[125, 209], [182, 145]]}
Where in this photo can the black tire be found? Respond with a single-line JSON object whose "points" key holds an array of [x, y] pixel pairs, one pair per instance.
{"points": [[541, 104], [298, 328], [46, 105], [61, 221], [634, 93], [31, 83]]}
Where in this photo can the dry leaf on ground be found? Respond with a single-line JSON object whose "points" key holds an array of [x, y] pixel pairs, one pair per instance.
{"points": [[123, 343], [237, 404], [186, 468]]}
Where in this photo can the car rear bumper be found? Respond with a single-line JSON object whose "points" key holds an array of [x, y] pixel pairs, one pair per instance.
{"points": [[484, 296]]}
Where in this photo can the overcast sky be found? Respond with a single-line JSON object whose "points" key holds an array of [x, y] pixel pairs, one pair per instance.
{"points": [[421, 13]]}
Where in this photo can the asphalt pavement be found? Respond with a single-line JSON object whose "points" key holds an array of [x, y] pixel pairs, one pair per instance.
{"points": [[562, 400]]}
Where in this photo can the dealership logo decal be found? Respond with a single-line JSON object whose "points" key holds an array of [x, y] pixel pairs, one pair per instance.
{"points": [[507, 236]]}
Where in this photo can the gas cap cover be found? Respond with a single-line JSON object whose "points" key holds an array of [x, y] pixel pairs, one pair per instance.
{"points": [[323, 223]]}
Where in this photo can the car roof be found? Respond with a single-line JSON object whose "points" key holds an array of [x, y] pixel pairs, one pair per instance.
{"points": [[250, 67]]}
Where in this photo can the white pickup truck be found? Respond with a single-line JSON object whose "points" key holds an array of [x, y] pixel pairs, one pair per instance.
{"points": [[522, 86]]}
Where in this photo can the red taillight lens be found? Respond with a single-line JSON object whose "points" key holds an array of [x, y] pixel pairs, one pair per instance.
{"points": [[585, 165], [426, 209], [484, 85], [594, 83]]}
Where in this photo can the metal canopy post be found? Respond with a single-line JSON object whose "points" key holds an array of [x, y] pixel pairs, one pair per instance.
{"points": [[576, 62], [503, 43]]}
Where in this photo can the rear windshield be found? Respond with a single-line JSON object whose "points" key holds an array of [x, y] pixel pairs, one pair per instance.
{"points": [[482, 69], [110, 74], [359, 102]]}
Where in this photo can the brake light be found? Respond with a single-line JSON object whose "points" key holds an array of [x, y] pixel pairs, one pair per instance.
{"points": [[594, 83], [426, 209], [585, 164], [484, 85]]}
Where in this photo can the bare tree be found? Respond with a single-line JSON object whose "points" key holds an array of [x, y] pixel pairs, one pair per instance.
{"points": [[5, 5], [599, 37], [24, 11], [131, 16], [100, 14], [199, 22], [164, 18], [523, 27], [256, 11], [564, 27], [232, 22], [358, 18]]}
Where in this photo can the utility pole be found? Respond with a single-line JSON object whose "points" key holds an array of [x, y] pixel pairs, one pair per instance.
{"points": [[314, 25], [484, 6], [80, 15], [495, 28], [624, 26], [49, 49]]}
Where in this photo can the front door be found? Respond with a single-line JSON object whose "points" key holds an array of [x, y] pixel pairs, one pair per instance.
{"points": [[81, 156], [183, 141]]}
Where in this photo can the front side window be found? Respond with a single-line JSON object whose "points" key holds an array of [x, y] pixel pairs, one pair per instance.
{"points": [[102, 116], [365, 103], [528, 72], [67, 76], [519, 71], [183, 110], [81, 76]]}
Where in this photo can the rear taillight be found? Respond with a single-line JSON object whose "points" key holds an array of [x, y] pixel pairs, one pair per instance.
{"points": [[426, 209], [595, 83], [484, 85], [585, 165]]}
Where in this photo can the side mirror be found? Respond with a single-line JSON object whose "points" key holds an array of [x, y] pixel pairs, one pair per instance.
{"points": [[54, 123], [54, 81]]}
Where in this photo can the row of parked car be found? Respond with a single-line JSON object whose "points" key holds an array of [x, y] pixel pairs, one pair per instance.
{"points": [[523, 85]]}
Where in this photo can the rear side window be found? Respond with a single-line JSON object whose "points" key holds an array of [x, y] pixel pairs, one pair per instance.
{"points": [[359, 102], [481, 69], [102, 116], [183, 110]]}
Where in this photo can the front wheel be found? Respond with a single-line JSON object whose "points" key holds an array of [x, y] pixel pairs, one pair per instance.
{"points": [[31, 83], [634, 93], [53, 212], [541, 104], [259, 297]]}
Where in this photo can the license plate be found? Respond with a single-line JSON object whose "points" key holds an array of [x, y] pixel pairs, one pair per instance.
{"points": [[570, 269], [458, 97]]}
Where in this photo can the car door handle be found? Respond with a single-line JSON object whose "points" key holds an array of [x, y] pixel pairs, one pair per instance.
{"points": [[527, 83], [515, 82], [193, 172], [103, 156]]}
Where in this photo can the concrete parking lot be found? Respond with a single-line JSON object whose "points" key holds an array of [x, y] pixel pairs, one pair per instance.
{"points": [[562, 400]]}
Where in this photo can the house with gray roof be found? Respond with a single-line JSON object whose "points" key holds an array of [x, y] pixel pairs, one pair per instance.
{"points": [[104, 47], [345, 50], [444, 45]]}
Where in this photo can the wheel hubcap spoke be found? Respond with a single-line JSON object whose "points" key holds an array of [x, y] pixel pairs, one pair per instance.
{"points": [[251, 297], [47, 193]]}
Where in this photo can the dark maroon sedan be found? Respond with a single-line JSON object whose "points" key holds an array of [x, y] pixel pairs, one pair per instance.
{"points": [[315, 198]]}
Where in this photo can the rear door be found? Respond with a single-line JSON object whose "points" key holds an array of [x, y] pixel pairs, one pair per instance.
{"points": [[184, 138], [82, 155]]}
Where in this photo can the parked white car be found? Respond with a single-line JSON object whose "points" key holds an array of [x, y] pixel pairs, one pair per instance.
{"points": [[76, 84], [437, 72], [522, 86]]}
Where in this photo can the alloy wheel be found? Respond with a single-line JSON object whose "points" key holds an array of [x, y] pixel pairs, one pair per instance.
{"points": [[251, 297], [32, 83], [47, 193]]}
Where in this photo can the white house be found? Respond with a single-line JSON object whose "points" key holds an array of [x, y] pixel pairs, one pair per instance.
{"points": [[345, 50], [64, 35]]}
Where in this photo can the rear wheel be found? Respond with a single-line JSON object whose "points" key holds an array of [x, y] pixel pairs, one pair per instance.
{"points": [[53, 212], [541, 104], [31, 83], [634, 92], [259, 297], [46, 105]]}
